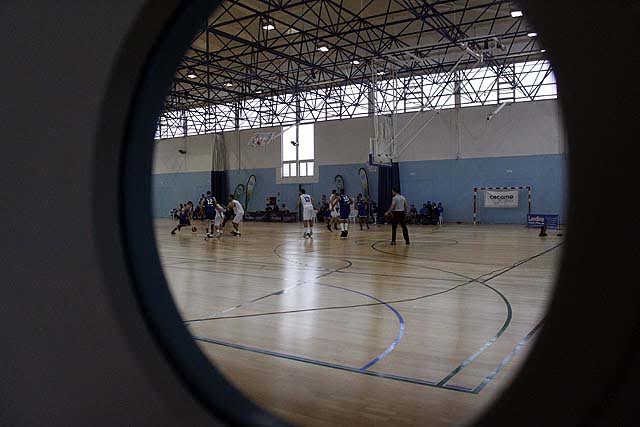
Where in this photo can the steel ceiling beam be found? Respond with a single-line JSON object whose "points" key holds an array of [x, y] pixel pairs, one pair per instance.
{"points": [[239, 58]]}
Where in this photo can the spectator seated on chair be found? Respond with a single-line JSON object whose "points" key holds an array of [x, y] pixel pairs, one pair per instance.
{"points": [[413, 214], [424, 214], [434, 214]]}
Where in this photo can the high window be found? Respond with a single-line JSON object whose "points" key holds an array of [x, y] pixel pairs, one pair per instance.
{"points": [[298, 151]]}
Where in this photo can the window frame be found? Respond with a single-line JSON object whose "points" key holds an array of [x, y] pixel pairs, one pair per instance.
{"points": [[292, 169]]}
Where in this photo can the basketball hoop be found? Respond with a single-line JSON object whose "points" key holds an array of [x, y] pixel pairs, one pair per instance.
{"points": [[261, 139]]}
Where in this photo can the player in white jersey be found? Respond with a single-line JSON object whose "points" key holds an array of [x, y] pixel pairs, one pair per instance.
{"points": [[306, 201], [334, 210], [216, 229], [238, 212]]}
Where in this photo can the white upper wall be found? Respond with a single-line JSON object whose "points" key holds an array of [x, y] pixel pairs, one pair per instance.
{"points": [[167, 159], [520, 129], [435, 141], [343, 141], [241, 156]]}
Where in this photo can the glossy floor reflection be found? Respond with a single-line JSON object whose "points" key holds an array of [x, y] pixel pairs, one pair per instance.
{"points": [[334, 332]]}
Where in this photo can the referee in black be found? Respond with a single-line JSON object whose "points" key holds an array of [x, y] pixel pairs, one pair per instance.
{"points": [[398, 212]]}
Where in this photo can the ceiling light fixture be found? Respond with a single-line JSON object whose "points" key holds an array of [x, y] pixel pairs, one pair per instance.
{"points": [[543, 51], [532, 34], [268, 27], [323, 49], [191, 74], [516, 13], [355, 62], [228, 84], [381, 73]]}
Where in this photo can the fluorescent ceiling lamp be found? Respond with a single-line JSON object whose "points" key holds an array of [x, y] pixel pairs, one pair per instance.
{"points": [[268, 27], [516, 13], [355, 62], [543, 50], [258, 92], [228, 84], [323, 49], [532, 34], [381, 73], [191, 75]]}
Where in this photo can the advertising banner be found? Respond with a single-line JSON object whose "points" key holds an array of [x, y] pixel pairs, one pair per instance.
{"points": [[501, 198], [365, 182], [239, 191], [339, 182], [251, 182], [538, 220]]}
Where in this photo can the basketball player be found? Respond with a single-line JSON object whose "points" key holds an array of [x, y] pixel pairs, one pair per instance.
{"points": [[184, 217], [334, 210], [209, 203], [238, 212], [306, 201], [344, 203], [217, 222], [363, 214]]}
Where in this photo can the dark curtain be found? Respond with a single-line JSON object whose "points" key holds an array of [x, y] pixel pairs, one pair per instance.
{"points": [[219, 186], [388, 177]]}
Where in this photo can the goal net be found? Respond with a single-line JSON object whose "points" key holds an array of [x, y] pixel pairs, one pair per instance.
{"points": [[501, 205]]}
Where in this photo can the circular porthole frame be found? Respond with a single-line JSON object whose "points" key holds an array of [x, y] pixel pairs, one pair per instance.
{"points": [[563, 347]]}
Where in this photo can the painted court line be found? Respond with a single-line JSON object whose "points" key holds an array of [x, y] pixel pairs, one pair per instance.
{"points": [[505, 361], [399, 335], [335, 365]]}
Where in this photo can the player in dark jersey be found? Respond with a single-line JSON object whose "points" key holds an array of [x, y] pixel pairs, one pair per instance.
{"points": [[344, 202], [209, 203], [184, 217], [363, 211]]}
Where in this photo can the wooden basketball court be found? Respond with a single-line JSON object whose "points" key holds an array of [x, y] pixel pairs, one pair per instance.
{"points": [[357, 332]]}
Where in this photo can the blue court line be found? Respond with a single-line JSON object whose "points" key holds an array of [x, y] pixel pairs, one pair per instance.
{"points": [[395, 342], [505, 361], [441, 384], [278, 292], [346, 368], [507, 321], [372, 362], [492, 275], [488, 343]]}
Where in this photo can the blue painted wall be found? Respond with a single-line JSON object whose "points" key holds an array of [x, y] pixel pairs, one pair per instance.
{"points": [[452, 181], [448, 181], [171, 189], [287, 193]]}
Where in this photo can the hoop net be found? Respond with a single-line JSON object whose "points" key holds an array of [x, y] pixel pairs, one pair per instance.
{"points": [[262, 139]]}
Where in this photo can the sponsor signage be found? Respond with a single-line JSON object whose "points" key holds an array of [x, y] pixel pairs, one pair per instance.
{"points": [[538, 220], [501, 198]]}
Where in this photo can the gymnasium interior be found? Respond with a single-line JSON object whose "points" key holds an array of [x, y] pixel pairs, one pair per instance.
{"points": [[512, 303], [453, 103]]}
